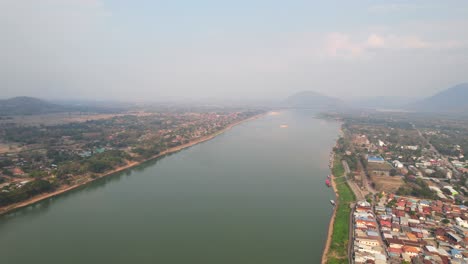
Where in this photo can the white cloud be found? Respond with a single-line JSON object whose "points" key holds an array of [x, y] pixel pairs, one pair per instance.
{"points": [[345, 45], [396, 7], [375, 41], [340, 44]]}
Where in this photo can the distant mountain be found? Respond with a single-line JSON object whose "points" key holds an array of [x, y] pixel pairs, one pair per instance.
{"points": [[383, 102], [28, 106], [454, 99], [24, 105], [310, 99]]}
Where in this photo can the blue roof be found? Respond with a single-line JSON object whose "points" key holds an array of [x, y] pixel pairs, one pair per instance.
{"points": [[375, 158]]}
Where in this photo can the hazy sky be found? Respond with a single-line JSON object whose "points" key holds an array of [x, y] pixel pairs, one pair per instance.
{"points": [[154, 49]]}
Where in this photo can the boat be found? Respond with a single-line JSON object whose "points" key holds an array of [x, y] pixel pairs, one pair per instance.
{"points": [[333, 202], [327, 182]]}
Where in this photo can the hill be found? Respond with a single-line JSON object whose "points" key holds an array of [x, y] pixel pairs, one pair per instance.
{"points": [[310, 99], [454, 99], [382, 102], [28, 106]]}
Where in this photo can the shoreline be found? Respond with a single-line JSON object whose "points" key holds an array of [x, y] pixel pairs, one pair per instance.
{"points": [[342, 199], [335, 190], [33, 200], [332, 219]]}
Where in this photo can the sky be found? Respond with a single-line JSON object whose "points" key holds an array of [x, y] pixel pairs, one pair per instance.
{"points": [[150, 50]]}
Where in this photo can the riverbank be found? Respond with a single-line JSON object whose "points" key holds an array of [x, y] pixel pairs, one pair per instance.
{"points": [[64, 189], [338, 233], [332, 219]]}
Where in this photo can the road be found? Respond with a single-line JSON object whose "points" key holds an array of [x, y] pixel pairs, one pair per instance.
{"points": [[433, 149], [360, 194], [365, 179], [351, 234]]}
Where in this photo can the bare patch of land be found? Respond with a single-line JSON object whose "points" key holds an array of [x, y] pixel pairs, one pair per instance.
{"points": [[9, 147], [387, 184]]}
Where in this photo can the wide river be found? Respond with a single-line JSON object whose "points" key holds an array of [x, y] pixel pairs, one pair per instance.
{"points": [[255, 194]]}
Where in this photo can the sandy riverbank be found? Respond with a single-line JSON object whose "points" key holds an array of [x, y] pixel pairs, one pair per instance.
{"points": [[64, 189]]}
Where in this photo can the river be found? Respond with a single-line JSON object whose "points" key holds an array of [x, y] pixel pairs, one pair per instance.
{"points": [[252, 195]]}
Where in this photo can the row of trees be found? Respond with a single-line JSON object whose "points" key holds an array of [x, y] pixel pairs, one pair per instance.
{"points": [[98, 163], [416, 187], [29, 190]]}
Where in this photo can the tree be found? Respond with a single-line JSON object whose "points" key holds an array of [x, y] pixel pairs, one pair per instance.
{"points": [[38, 174]]}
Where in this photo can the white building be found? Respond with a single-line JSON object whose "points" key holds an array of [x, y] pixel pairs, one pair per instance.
{"points": [[461, 222], [397, 164]]}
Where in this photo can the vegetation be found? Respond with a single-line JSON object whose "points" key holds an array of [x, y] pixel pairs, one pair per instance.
{"points": [[352, 161], [69, 153], [337, 169], [338, 252], [27, 191], [417, 188]]}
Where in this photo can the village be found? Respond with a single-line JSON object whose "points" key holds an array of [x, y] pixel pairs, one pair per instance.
{"points": [[36, 159], [411, 198]]}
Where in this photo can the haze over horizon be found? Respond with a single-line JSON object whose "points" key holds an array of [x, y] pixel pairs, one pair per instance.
{"points": [[148, 50]]}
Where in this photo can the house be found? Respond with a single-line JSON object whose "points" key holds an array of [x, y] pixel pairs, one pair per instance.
{"points": [[367, 241], [411, 251], [461, 222], [397, 164], [385, 223], [394, 243], [455, 253], [453, 238], [394, 252]]}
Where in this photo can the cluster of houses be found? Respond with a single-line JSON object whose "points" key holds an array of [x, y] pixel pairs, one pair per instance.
{"points": [[367, 242], [430, 166], [412, 230], [407, 159]]}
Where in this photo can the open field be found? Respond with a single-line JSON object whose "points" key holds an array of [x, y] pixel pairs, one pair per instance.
{"points": [[387, 183], [4, 148]]}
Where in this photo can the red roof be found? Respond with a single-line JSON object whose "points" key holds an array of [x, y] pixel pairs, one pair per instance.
{"points": [[385, 223], [400, 213], [395, 250]]}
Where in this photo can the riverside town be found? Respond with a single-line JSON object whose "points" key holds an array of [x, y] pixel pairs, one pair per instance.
{"points": [[409, 183]]}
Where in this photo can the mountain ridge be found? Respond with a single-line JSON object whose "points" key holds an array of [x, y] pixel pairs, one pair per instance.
{"points": [[452, 99], [25, 105], [312, 99]]}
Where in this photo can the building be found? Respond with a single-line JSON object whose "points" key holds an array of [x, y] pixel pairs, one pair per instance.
{"points": [[375, 159]]}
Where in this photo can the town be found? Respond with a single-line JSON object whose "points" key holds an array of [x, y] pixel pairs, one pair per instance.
{"points": [[42, 158], [409, 179]]}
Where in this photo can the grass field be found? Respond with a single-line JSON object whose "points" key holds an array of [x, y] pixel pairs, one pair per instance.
{"points": [[338, 252]]}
